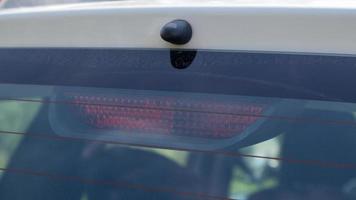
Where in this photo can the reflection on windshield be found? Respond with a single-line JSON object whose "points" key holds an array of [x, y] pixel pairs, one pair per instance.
{"points": [[313, 158]]}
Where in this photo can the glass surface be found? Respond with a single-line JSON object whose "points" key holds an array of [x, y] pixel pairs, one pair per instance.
{"points": [[162, 139]]}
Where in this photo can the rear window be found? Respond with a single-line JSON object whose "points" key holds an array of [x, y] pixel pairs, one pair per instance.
{"points": [[127, 124]]}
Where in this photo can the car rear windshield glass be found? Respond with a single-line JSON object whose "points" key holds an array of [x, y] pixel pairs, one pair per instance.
{"points": [[114, 124]]}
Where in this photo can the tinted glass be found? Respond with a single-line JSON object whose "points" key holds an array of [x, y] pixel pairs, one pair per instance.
{"points": [[126, 124]]}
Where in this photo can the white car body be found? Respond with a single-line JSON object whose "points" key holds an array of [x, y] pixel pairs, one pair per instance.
{"points": [[282, 26]]}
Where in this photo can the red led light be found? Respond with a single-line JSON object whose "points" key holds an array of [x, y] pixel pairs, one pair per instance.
{"points": [[167, 115]]}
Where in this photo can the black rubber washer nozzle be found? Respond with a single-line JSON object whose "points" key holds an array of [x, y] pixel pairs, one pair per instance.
{"points": [[177, 32]]}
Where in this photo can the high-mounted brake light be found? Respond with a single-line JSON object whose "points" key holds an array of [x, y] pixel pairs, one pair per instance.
{"points": [[159, 118], [157, 115]]}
